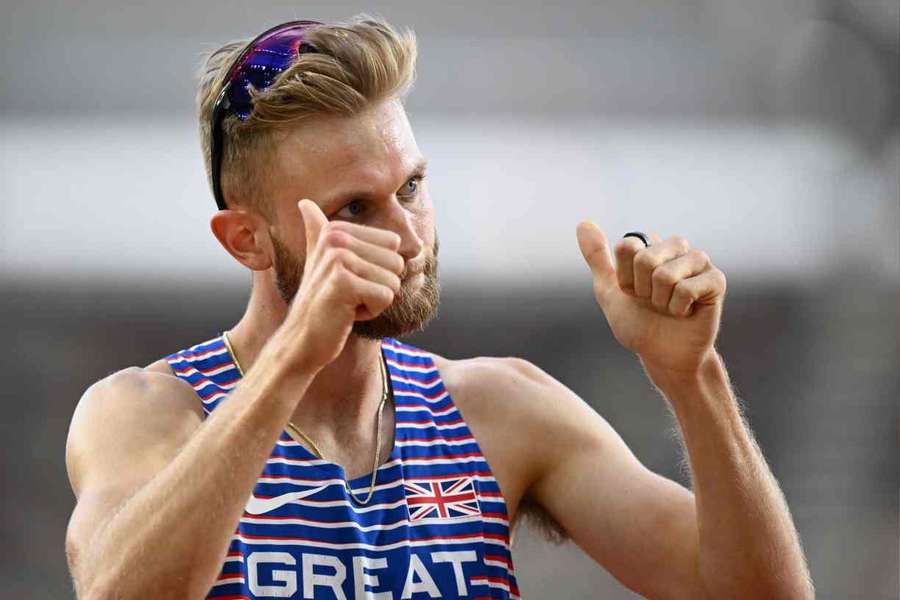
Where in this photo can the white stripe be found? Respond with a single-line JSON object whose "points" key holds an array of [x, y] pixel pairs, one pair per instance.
{"points": [[429, 425], [426, 409], [207, 373], [205, 355], [443, 461], [487, 582], [326, 483], [410, 368], [303, 463], [474, 538], [496, 563], [238, 558], [407, 352], [469, 440], [214, 397]]}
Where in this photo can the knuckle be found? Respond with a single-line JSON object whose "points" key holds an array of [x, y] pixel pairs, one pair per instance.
{"points": [[622, 247], [645, 260], [720, 277], [700, 256], [663, 276], [393, 282], [682, 290], [397, 263], [334, 238], [680, 243], [339, 256]]}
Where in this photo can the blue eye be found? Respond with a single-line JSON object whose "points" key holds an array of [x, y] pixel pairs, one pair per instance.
{"points": [[410, 187], [352, 209]]}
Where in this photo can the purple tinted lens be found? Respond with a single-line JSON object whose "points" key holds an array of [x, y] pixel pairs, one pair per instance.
{"points": [[268, 57]]}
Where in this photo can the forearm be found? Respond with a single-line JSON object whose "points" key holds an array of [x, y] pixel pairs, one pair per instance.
{"points": [[748, 544], [172, 535]]}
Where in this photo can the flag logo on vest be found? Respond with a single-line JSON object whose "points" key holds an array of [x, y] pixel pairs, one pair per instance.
{"points": [[441, 498]]}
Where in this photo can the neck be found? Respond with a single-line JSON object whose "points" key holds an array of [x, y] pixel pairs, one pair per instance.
{"points": [[343, 398]]}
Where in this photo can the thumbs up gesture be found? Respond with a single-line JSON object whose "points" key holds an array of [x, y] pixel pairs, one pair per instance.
{"points": [[663, 302], [351, 273]]}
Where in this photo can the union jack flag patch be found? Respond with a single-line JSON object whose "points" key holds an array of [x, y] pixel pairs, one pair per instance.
{"points": [[441, 498]]}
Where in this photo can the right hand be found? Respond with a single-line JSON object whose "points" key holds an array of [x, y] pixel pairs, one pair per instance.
{"points": [[352, 273]]}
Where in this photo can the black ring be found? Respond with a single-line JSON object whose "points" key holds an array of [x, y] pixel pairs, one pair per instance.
{"points": [[639, 235]]}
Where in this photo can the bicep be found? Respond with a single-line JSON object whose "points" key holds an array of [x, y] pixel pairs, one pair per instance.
{"points": [[638, 525], [125, 430]]}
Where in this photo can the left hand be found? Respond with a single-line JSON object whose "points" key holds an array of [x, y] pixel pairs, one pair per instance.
{"points": [[663, 302]]}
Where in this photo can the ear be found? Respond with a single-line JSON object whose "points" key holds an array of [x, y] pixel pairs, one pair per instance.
{"points": [[245, 236]]}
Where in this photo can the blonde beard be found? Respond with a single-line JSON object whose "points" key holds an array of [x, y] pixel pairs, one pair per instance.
{"points": [[408, 313]]}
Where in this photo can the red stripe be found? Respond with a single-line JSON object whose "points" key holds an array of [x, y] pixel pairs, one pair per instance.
{"points": [[494, 515], [426, 420], [498, 558], [442, 438], [433, 396]]}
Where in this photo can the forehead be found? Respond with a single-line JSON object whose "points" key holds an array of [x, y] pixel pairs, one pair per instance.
{"points": [[372, 151]]}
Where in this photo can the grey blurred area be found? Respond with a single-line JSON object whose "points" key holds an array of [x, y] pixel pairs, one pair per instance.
{"points": [[765, 132]]}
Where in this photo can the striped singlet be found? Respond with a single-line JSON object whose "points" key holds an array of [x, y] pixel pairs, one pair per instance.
{"points": [[436, 526]]}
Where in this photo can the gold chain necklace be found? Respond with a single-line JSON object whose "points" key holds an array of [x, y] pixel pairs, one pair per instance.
{"points": [[312, 444]]}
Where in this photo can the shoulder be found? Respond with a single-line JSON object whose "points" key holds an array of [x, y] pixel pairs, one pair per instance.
{"points": [[501, 382], [130, 409], [517, 397]]}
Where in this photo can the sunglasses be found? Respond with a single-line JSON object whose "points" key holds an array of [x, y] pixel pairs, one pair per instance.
{"points": [[261, 62]]}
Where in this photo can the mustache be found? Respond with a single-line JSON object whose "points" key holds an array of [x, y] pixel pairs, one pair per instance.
{"points": [[426, 265]]}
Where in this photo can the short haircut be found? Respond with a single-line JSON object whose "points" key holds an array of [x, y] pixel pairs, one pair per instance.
{"points": [[356, 64]]}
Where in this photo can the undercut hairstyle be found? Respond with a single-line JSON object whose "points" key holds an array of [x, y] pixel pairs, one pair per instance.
{"points": [[357, 64]]}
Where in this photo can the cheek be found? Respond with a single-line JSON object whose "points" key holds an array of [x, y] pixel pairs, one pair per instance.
{"points": [[424, 223]]}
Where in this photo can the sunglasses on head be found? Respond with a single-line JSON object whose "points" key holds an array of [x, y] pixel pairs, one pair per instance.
{"points": [[266, 57]]}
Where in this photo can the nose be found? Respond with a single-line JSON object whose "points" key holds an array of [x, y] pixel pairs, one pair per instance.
{"points": [[402, 222]]}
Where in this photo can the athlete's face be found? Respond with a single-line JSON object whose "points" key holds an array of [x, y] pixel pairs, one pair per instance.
{"points": [[366, 169]]}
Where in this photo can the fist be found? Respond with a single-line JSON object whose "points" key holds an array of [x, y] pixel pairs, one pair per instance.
{"points": [[352, 272], [663, 302]]}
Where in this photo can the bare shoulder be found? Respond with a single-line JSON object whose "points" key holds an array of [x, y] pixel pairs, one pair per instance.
{"points": [[518, 404], [129, 420], [488, 384], [512, 407]]}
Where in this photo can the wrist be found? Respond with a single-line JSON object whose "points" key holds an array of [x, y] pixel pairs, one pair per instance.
{"points": [[710, 369], [288, 357]]}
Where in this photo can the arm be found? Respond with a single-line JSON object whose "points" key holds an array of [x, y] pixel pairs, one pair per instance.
{"points": [[159, 493], [748, 543], [735, 538]]}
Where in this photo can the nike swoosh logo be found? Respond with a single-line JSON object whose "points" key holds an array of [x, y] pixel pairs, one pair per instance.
{"points": [[258, 506]]}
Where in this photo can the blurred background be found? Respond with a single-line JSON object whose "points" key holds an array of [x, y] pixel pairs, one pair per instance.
{"points": [[765, 132]]}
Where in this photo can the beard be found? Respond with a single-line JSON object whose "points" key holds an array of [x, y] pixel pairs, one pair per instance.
{"points": [[409, 312]]}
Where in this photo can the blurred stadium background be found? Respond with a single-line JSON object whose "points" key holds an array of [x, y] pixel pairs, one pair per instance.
{"points": [[765, 132]]}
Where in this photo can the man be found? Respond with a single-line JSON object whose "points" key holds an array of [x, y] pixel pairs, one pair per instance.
{"points": [[306, 453]]}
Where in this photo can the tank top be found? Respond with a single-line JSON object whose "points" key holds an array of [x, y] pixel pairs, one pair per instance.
{"points": [[436, 526]]}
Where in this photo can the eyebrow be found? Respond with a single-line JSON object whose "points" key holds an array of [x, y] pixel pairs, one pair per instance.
{"points": [[418, 170]]}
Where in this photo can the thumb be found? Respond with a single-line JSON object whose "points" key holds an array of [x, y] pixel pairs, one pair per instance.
{"points": [[595, 249], [313, 222]]}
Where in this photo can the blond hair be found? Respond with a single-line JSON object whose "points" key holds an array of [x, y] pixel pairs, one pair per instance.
{"points": [[358, 63]]}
